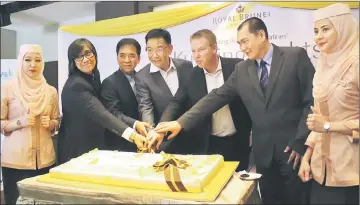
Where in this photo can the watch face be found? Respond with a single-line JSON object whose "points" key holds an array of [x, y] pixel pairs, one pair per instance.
{"points": [[327, 126], [18, 123]]}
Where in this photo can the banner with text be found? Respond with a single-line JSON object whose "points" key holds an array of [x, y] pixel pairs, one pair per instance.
{"points": [[286, 27], [8, 70]]}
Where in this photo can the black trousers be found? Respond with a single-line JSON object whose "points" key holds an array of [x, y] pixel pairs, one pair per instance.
{"points": [[12, 176], [232, 148], [280, 183], [321, 194]]}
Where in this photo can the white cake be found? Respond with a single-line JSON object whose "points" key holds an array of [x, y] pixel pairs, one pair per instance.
{"points": [[135, 170]]}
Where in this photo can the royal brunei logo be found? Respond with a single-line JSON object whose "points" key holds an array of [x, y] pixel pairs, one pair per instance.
{"points": [[240, 9], [241, 13]]}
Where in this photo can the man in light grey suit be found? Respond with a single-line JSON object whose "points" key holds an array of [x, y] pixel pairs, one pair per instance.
{"points": [[275, 84], [157, 83]]}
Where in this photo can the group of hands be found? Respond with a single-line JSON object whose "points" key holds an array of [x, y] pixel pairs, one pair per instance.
{"points": [[315, 122], [155, 136], [28, 120], [148, 136]]}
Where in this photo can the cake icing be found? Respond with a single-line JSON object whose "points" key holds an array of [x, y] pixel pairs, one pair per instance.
{"points": [[136, 170]]}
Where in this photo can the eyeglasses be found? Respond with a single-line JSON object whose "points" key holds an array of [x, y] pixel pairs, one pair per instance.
{"points": [[88, 55], [158, 51]]}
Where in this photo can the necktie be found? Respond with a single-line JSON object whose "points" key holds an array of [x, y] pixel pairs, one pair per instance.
{"points": [[132, 84], [131, 80], [264, 77]]}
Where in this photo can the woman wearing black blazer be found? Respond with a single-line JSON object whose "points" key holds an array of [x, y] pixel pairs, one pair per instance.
{"points": [[84, 117]]}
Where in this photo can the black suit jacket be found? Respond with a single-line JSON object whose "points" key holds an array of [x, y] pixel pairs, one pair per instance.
{"points": [[196, 89], [84, 118], [119, 98], [279, 117]]}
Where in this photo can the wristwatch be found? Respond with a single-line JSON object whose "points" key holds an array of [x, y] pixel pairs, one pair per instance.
{"points": [[18, 123], [327, 127]]}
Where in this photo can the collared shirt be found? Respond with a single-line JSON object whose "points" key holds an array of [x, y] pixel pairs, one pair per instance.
{"points": [[170, 76], [268, 59], [222, 121]]}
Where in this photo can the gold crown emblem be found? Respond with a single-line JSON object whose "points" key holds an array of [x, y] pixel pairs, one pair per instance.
{"points": [[240, 9]]}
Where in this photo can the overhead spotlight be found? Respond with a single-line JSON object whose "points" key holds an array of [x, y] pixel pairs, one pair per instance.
{"points": [[4, 19]]}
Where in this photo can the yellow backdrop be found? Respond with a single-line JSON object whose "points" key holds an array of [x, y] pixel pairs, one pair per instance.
{"points": [[139, 23]]}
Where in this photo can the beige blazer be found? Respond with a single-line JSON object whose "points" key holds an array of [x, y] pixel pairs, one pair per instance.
{"points": [[30, 147], [337, 152]]}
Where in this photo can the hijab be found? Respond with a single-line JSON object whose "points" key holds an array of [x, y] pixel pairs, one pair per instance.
{"points": [[332, 66], [34, 93]]}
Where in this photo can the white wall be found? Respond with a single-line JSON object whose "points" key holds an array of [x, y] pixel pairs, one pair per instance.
{"points": [[82, 20], [37, 35], [47, 37], [8, 70]]}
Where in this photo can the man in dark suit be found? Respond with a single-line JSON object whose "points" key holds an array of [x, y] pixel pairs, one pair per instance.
{"points": [[118, 94], [227, 131], [275, 84], [157, 82]]}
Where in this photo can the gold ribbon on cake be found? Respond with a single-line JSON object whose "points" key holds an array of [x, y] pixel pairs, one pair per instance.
{"points": [[171, 165]]}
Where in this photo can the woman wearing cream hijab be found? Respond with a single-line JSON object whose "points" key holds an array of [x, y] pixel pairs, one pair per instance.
{"points": [[331, 161], [29, 115]]}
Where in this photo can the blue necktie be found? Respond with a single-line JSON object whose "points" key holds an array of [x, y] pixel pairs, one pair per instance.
{"points": [[264, 77]]}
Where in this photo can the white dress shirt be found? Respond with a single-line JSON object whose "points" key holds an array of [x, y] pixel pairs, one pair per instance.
{"points": [[170, 76], [222, 121]]}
